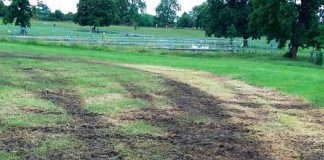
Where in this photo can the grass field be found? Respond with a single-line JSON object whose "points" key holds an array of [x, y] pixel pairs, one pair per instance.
{"points": [[40, 28], [118, 103], [74, 103], [297, 78]]}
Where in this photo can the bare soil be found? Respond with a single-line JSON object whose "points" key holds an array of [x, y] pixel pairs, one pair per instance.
{"points": [[229, 133]]}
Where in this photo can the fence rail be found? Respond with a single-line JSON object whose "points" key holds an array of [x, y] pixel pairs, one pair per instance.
{"points": [[150, 42]]}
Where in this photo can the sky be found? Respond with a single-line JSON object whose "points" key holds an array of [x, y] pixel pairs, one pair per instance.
{"points": [[70, 5]]}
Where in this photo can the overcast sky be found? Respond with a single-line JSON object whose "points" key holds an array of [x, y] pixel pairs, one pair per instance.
{"points": [[70, 5]]}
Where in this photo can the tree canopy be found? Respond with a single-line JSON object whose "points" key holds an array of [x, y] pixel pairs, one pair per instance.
{"points": [[185, 21], [2, 9], [200, 15], [41, 11], [227, 18], [19, 13], [166, 12], [95, 13], [287, 21], [129, 11]]}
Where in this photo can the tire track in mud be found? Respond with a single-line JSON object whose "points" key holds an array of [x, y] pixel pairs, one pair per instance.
{"points": [[88, 128], [219, 140]]}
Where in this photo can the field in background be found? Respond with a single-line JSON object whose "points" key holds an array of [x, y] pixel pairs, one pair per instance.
{"points": [[40, 28], [153, 38]]}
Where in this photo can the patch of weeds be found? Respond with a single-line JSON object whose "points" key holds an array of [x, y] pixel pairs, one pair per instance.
{"points": [[287, 123], [145, 150], [116, 106], [8, 156], [141, 128], [57, 145], [35, 120]]}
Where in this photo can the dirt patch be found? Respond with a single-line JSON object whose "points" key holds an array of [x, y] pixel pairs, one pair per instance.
{"points": [[88, 129], [228, 135], [244, 108], [37, 111], [219, 139]]}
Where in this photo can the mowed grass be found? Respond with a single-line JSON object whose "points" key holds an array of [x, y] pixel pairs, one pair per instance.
{"points": [[25, 114], [41, 28], [297, 78]]}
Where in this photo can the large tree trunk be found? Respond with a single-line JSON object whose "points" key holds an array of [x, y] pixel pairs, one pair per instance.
{"points": [[245, 43], [303, 22], [293, 51], [245, 40]]}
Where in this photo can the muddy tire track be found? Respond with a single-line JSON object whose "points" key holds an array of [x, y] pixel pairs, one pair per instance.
{"points": [[88, 128], [220, 139]]}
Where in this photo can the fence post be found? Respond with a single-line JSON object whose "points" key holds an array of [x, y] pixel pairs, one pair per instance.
{"points": [[53, 38], [70, 38]]}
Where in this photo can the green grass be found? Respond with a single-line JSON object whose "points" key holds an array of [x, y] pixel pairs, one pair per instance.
{"points": [[102, 89], [113, 107], [118, 95], [8, 156], [40, 28], [57, 144], [297, 78], [141, 128]]}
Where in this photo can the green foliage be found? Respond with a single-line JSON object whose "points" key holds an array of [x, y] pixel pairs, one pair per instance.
{"points": [[223, 16], [58, 15], [186, 21], [95, 13], [231, 32], [2, 9], [129, 11], [200, 15], [146, 20], [41, 11], [19, 12], [321, 38], [166, 12], [284, 21]]}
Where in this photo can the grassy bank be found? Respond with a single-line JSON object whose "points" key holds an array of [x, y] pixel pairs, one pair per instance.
{"points": [[297, 78], [41, 28]]}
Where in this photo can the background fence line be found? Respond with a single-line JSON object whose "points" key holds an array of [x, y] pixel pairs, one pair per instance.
{"points": [[70, 37]]}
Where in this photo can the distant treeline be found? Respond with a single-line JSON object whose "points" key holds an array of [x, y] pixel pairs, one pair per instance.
{"points": [[123, 16], [290, 23]]}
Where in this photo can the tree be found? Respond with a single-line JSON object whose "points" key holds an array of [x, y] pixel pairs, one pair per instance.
{"points": [[58, 15], [200, 15], [185, 21], [219, 18], [68, 17], [146, 20], [286, 20], [321, 14], [2, 9], [241, 10], [129, 11], [95, 13], [41, 11], [224, 15], [166, 12], [20, 13]]}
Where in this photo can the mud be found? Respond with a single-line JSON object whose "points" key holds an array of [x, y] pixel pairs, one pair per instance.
{"points": [[220, 138], [88, 129]]}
